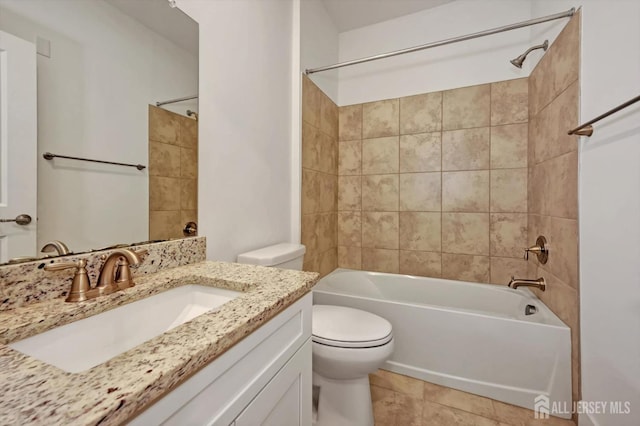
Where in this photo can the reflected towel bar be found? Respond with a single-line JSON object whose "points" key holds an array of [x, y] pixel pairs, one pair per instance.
{"points": [[50, 156], [586, 129]]}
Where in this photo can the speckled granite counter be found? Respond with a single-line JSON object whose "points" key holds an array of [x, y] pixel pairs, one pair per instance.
{"points": [[32, 392]]}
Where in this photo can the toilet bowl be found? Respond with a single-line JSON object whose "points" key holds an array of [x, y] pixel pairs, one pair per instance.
{"points": [[348, 344]]}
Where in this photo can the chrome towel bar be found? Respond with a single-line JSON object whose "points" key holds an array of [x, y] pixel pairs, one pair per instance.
{"points": [[50, 156]]}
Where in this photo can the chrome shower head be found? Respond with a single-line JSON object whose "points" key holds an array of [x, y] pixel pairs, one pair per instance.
{"points": [[517, 62]]}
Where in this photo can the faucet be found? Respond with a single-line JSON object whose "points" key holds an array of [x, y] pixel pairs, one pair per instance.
{"points": [[539, 283], [115, 273], [57, 246]]}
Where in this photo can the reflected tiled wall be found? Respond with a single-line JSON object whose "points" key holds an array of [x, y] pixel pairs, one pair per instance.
{"points": [[319, 179], [173, 173], [436, 184], [553, 178]]}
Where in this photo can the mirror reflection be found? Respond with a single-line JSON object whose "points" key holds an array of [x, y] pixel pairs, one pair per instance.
{"points": [[109, 80]]}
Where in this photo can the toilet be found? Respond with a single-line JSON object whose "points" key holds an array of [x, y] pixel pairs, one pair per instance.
{"points": [[348, 344]]}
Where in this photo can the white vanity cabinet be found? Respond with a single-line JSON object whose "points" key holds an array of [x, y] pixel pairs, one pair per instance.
{"points": [[265, 379]]}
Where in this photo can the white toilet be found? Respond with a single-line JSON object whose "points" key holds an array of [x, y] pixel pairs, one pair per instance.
{"points": [[348, 344]]}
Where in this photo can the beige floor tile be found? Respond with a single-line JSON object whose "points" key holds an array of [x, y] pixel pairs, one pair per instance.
{"points": [[397, 382], [439, 415], [457, 399]]}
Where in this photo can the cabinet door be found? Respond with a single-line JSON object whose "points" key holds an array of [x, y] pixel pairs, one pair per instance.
{"points": [[286, 399]]}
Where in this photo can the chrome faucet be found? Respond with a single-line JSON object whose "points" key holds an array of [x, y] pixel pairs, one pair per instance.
{"points": [[55, 246], [115, 273], [539, 283]]}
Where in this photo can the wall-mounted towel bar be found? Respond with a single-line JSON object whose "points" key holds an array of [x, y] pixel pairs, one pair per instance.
{"points": [[586, 129], [50, 156]]}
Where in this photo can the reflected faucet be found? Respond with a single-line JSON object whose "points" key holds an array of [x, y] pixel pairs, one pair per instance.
{"points": [[539, 283], [55, 246]]}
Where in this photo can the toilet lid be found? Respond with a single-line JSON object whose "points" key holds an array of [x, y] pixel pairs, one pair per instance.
{"points": [[349, 328]]}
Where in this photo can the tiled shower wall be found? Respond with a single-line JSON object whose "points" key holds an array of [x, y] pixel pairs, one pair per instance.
{"points": [[554, 88], [436, 184], [173, 173], [319, 179]]}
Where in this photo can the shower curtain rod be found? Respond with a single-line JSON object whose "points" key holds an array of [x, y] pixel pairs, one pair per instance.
{"points": [[522, 24], [173, 101]]}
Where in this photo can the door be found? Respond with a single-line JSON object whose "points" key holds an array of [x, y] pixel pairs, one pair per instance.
{"points": [[18, 146]]}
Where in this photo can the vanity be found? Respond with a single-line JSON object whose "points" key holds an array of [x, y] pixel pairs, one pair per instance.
{"points": [[243, 360]]}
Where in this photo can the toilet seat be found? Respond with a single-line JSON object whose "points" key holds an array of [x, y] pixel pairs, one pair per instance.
{"points": [[343, 327]]}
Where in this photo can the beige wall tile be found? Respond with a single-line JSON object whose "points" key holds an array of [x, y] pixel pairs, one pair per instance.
{"points": [[310, 102], [310, 147], [420, 231], [508, 234], [328, 261], [350, 229], [189, 133], [509, 146], [328, 192], [465, 191], [510, 102], [380, 193], [420, 192], [188, 216], [563, 261], [509, 190], [349, 257], [541, 85], [350, 157], [466, 149], [465, 267], [550, 138], [380, 155], [466, 107], [164, 193], [309, 234], [328, 154], [327, 231], [421, 113], [310, 191], [503, 268], [537, 186], [164, 159], [565, 55], [164, 225], [380, 260], [328, 116], [188, 163], [421, 152], [350, 122], [561, 186], [349, 193], [380, 119], [164, 126], [465, 233], [421, 263], [380, 230], [311, 264], [189, 194]]}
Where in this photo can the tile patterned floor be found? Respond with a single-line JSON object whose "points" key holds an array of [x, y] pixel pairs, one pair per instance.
{"points": [[404, 401]]}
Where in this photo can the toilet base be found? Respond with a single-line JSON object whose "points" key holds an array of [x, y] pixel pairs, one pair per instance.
{"points": [[343, 402]]}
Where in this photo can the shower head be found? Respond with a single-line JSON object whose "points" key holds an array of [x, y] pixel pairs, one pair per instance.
{"points": [[517, 62]]}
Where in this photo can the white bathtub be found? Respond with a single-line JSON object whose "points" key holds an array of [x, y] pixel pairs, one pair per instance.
{"points": [[467, 336]]}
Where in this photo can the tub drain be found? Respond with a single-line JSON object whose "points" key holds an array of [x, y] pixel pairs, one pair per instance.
{"points": [[530, 310]]}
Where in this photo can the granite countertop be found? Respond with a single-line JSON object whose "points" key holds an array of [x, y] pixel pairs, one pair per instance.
{"points": [[32, 392]]}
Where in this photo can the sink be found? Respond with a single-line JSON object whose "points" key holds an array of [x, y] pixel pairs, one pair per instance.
{"points": [[91, 341]]}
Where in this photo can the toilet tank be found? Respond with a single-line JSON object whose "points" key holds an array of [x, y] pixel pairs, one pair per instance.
{"points": [[283, 255]]}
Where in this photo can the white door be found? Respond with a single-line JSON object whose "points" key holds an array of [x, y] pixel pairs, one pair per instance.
{"points": [[18, 146]]}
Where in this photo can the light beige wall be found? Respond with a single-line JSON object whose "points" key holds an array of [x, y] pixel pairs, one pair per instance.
{"points": [[319, 179], [554, 89], [173, 173], [436, 184]]}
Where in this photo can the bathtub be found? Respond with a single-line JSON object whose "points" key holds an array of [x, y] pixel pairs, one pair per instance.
{"points": [[472, 337]]}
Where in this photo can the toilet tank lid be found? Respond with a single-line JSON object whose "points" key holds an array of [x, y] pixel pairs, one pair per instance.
{"points": [[272, 255]]}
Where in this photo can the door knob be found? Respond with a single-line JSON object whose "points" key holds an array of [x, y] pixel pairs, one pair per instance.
{"points": [[21, 219]]}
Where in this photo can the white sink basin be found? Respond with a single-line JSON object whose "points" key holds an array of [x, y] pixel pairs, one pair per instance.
{"points": [[89, 342]]}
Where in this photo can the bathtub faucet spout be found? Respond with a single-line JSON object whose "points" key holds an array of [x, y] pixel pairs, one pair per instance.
{"points": [[539, 283]]}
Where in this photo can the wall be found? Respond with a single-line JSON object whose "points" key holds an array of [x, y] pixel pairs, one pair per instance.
{"points": [[319, 40], [554, 90], [478, 61], [173, 173], [93, 95], [436, 184], [246, 71], [319, 179]]}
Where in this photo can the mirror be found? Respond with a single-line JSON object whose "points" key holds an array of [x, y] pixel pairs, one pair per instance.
{"points": [[101, 68]]}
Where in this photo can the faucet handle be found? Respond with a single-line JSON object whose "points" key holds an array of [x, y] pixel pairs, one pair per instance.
{"points": [[540, 250], [81, 284]]}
